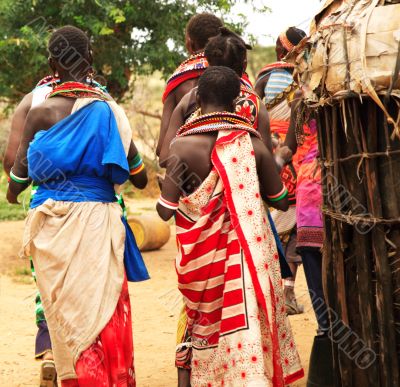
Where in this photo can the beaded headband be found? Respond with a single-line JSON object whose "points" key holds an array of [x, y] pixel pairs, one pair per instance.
{"points": [[287, 45]]}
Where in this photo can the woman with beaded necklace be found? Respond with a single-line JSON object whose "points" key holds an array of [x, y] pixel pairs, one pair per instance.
{"points": [[219, 171], [77, 145], [43, 350], [227, 49]]}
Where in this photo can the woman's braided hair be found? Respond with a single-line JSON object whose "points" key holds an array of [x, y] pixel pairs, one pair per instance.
{"points": [[202, 27], [227, 49], [219, 85], [69, 45]]}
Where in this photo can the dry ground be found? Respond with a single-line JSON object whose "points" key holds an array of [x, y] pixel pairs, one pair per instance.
{"points": [[155, 305]]}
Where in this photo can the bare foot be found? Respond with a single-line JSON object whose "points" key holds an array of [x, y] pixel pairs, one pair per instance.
{"points": [[48, 355]]}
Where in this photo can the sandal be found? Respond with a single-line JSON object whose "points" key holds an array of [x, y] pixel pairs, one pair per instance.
{"points": [[48, 374], [292, 307]]}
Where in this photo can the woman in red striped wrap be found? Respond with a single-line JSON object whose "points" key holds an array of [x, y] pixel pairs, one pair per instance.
{"points": [[228, 268]]}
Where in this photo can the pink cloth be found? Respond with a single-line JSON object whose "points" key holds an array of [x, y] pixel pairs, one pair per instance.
{"points": [[309, 196]]}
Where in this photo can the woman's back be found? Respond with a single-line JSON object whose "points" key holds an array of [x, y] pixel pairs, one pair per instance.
{"points": [[80, 157], [193, 162]]}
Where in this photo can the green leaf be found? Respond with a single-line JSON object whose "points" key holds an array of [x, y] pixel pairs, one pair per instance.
{"points": [[106, 31]]}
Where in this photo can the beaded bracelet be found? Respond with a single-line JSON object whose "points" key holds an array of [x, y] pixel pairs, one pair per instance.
{"points": [[279, 196], [136, 165], [167, 204], [135, 171], [137, 160], [17, 179]]}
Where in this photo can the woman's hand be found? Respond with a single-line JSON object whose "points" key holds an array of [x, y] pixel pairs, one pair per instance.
{"points": [[284, 152], [282, 156], [13, 191], [12, 198]]}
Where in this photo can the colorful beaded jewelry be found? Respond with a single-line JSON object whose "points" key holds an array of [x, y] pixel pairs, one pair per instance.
{"points": [[136, 165], [279, 196], [199, 55], [167, 204], [216, 121], [135, 171], [17, 179], [78, 90], [286, 42]]}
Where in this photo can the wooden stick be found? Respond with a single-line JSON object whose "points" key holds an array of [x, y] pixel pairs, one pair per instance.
{"points": [[366, 294], [328, 273], [337, 202], [387, 342], [390, 207]]}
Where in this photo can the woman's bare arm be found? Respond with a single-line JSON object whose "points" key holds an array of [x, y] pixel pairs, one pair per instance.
{"points": [[260, 86], [171, 186], [290, 140], [264, 127], [177, 120], [170, 104], [16, 132], [270, 181], [33, 123], [139, 180]]}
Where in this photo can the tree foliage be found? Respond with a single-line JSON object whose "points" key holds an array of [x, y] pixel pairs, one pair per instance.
{"points": [[128, 37]]}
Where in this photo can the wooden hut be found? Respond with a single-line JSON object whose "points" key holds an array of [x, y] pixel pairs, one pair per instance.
{"points": [[349, 70]]}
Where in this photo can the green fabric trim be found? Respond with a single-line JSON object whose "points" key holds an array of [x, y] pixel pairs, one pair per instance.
{"points": [[121, 202]]}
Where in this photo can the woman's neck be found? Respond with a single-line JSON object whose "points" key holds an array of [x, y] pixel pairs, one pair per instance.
{"points": [[71, 78], [208, 109]]}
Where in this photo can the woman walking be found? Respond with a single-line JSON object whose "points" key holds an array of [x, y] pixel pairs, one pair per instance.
{"points": [[77, 145]]}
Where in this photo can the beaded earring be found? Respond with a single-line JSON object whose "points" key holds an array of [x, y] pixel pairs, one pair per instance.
{"points": [[55, 79], [90, 75]]}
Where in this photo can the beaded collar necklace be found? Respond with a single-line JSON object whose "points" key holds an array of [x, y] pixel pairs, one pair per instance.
{"points": [[214, 122], [192, 57], [244, 87], [78, 90]]}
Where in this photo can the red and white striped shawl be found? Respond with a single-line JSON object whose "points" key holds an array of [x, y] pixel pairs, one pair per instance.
{"points": [[221, 228]]}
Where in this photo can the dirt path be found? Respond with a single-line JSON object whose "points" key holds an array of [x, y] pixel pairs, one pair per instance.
{"points": [[155, 306]]}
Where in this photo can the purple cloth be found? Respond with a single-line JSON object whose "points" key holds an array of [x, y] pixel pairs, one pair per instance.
{"points": [[43, 342]]}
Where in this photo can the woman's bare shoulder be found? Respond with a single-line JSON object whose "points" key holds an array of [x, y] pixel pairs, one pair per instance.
{"points": [[49, 112]]}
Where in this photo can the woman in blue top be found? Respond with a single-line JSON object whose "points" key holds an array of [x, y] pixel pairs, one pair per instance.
{"points": [[77, 146]]}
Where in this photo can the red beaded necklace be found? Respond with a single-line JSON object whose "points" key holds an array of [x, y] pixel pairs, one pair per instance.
{"points": [[216, 121], [78, 90]]}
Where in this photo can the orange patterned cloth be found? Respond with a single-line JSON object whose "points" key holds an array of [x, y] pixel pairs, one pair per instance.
{"points": [[289, 172], [279, 129], [229, 274]]}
